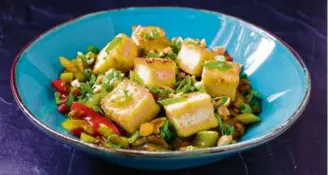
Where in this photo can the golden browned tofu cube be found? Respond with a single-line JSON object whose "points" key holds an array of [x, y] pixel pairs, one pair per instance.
{"points": [[118, 54], [129, 105], [156, 71], [191, 58], [149, 38], [191, 114], [221, 78]]}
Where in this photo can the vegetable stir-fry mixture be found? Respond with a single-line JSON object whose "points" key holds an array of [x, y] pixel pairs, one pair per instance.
{"points": [[146, 92]]}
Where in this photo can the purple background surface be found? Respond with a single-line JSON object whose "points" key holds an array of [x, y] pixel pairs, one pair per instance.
{"points": [[24, 149]]}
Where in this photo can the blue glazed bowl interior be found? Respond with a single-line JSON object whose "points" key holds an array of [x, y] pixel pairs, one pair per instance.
{"points": [[272, 67]]}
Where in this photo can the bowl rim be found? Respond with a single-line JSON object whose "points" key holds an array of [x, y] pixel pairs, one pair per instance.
{"points": [[126, 152]]}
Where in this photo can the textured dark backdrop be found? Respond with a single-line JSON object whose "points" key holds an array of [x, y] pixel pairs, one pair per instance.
{"points": [[301, 150]]}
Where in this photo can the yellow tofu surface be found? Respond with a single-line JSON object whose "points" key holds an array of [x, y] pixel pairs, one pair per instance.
{"points": [[192, 115], [156, 71], [218, 82], [118, 54], [149, 38], [191, 58], [129, 105]]}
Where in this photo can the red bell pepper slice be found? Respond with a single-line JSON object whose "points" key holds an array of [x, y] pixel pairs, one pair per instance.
{"points": [[60, 86], [94, 118]]}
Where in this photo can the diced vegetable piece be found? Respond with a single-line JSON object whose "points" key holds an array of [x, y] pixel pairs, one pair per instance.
{"points": [[221, 79], [139, 106], [134, 137], [118, 54], [63, 108], [223, 111], [147, 129], [125, 142], [60, 86], [206, 138], [67, 76], [156, 71], [158, 123], [80, 76], [225, 140], [192, 115], [115, 141], [87, 138], [247, 118], [94, 118], [149, 38], [191, 58], [72, 125], [68, 64]]}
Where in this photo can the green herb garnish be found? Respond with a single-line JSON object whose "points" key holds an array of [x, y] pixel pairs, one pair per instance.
{"points": [[93, 49], [176, 47], [152, 55], [255, 93], [186, 85], [136, 78], [167, 131], [172, 56], [161, 93], [225, 129], [245, 108], [170, 101], [243, 76], [113, 44], [221, 65], [85, 88], [70, 99], [110, 79], [134, 137], [123, 99], [155, 34], [57, 98]]}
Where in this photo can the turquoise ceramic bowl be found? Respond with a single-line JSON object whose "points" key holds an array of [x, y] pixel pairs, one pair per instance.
{"points": [[274, 69]]}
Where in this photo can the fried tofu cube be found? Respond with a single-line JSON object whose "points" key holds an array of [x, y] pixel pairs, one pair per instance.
{"points": [[117, 54], [156, 71], [191, 58], [222, 79], [149, 38], [129, 105], [191, 115]]}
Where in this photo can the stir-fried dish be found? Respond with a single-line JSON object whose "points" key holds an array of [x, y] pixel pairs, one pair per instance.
{"points": [[146, 92]]}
